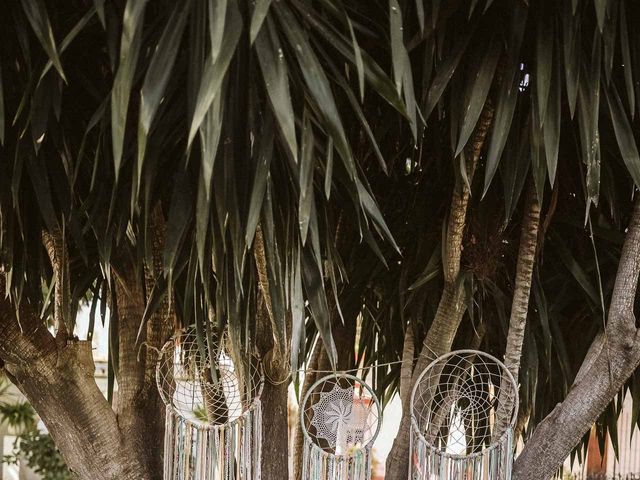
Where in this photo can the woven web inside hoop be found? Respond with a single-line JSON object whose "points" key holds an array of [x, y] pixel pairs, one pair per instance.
{"points": [[464, 402], [202, 383], [340, 414]]}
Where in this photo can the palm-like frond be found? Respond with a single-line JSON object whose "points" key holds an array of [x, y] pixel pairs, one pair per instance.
{"points": [[338, 130]]}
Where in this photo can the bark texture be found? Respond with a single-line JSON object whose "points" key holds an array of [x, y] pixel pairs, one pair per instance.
{"points": [[275, 424], [138, 407], [451, 307], [611, 360], [275, 431], [522, 288], [521, 294], [309, 379], [406, 368], [56, 248], [57, 374], [58, 381]]}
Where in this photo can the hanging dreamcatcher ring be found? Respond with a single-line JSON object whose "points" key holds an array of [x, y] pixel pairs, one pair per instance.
{"points": [[463, 408], [335, 378], [213, 417], [340, 417], [461, 353], [190, 379]]}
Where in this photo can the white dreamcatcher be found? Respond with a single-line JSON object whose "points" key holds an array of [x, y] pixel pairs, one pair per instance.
{"points": [[340, 418], [213, 425], [463, 409]]}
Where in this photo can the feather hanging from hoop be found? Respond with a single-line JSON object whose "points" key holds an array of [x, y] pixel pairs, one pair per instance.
{"points": [[213, 425], [463, 409], [340, 417]]}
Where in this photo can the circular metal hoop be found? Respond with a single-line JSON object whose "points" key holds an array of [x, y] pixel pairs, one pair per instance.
{"points": [[340, 415], [464, 403], [202, 384]]}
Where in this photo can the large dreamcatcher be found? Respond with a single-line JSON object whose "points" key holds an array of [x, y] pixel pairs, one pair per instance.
{"points": [[213, 416], [463, 409], [340, 418]]}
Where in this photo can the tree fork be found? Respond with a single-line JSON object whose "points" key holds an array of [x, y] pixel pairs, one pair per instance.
{"points": [[58, 380], [451, 307], [611, 360]]}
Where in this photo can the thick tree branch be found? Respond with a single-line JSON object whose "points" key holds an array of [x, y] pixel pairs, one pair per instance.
{"points": [[263, 285], [138, 405], [521, 294], [522, 287], [58, 380], [604, 372], [160, 325], [406, 368], [450, 310], [23, 338], [55, 244]]}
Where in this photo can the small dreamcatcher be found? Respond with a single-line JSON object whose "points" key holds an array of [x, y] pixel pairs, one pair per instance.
{"points": [[463, 409], [340, 417], [213, 419]]}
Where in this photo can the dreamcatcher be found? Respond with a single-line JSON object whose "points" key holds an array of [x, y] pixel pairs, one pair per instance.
{"points": [[340, 417], [463, 408], [213, 418]]}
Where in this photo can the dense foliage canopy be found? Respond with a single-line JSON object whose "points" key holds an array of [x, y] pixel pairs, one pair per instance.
{"points": [[324, 139]]}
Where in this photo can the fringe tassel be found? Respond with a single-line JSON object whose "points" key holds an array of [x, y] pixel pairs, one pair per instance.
{"points": [[494, 463], [320, 465], [213, 452]]}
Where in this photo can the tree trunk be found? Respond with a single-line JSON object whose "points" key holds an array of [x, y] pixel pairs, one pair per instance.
{"points": [[275, 412], [139, 407], [81, 423], [406, 367], [58, 380], [521, 294], [275, 431], [275, 355], [140, 416], [57, 375], [451, 307], [611, 360], [522, 289], [309, 379]]}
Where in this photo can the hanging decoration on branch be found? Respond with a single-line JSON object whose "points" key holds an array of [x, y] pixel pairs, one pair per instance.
{"points": [[213, 425], [340, 417], [463, 409]]}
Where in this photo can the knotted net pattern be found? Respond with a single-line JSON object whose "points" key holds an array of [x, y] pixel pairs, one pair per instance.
{"points": [[213, 425], [340, 417], [200, 382], [463, 408]]}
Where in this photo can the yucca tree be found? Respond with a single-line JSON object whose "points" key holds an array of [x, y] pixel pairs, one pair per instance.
{"points": [[184, 164], [346, 183]]}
